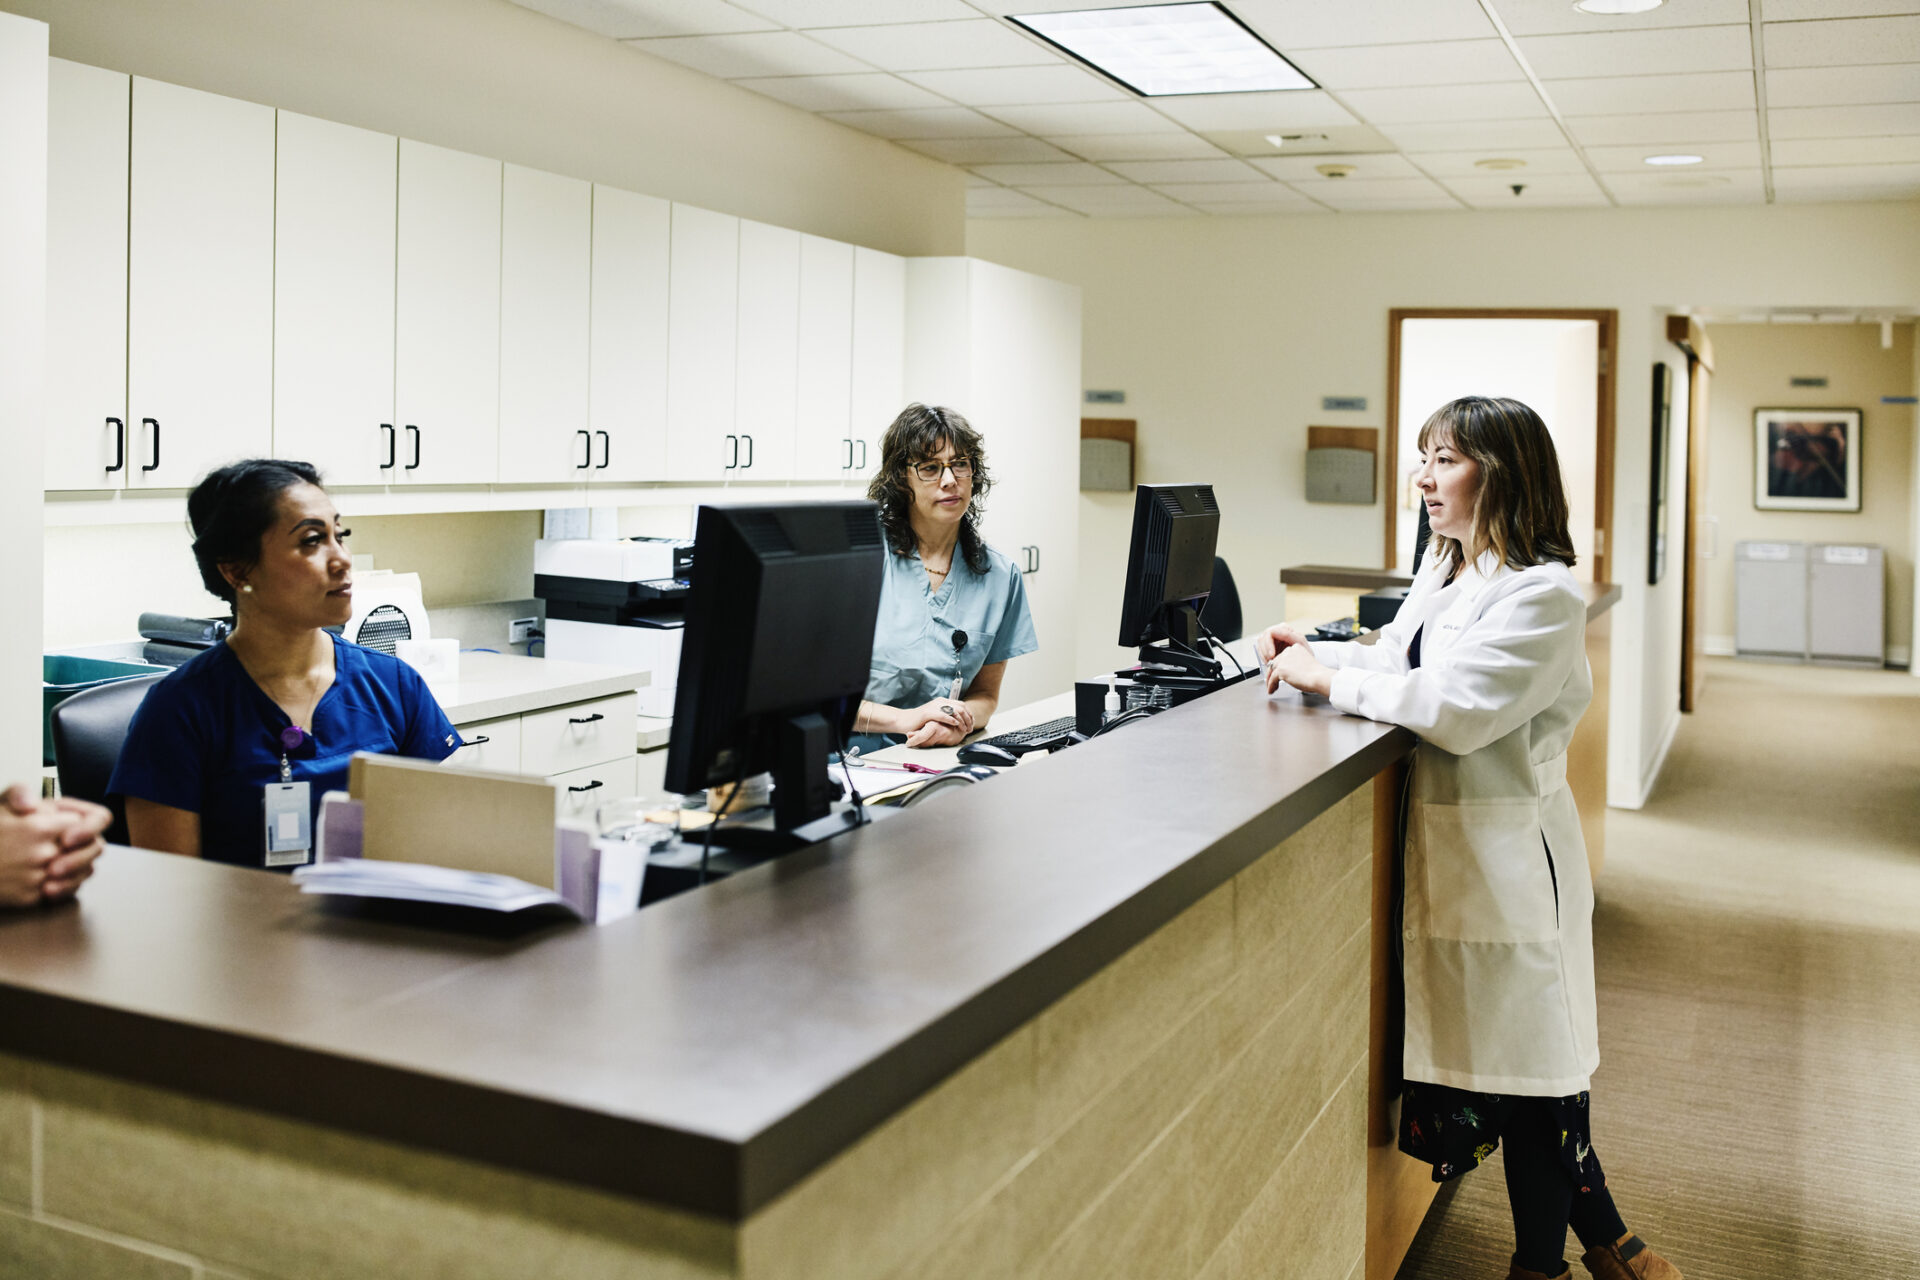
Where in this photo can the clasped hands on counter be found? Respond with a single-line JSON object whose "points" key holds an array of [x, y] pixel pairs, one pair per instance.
{"points": [[942, 722], [1287, 656], [47, 847]]}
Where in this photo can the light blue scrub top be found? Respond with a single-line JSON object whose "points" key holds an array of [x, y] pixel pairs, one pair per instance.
{"points": [[914, 660]]}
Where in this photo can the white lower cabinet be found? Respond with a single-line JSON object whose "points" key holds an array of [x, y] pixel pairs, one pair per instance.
{"points": [[585, 749], [579, 792], [492, 745]]}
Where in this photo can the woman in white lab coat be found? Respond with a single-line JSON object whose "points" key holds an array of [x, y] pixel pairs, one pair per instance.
{"points": [[1486, 662]]}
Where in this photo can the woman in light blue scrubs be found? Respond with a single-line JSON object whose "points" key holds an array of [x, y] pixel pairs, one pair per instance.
{"points": [[228, 754], [953, 610]]}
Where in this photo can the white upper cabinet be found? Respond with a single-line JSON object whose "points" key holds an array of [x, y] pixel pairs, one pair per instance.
{"points": [[879, 352], [627, 384], [702, 443], [334, 212], [768, 351], [86, 276], [199, 283], [546, 269], [823, 398], [447, 317]]}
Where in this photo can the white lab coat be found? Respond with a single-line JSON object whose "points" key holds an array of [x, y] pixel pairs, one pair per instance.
{"points": [[1499, 904]]}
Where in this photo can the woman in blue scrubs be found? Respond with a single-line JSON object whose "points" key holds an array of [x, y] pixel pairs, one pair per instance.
{"points": [[953, 610], [282, 701]]}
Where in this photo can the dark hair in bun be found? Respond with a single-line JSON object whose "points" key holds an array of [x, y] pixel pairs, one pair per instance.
{"points": [[233, 507]]}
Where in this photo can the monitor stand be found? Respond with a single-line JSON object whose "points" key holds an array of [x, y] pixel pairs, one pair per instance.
{"points": [[804, 810]]}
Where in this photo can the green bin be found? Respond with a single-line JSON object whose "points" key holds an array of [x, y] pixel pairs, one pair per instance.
{"points": [[62, 676]]}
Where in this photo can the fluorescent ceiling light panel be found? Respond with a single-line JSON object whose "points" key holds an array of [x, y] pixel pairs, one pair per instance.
{"points": [[1158, 50]]}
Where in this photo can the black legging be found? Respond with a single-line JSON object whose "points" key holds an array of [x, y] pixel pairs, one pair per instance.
{"points": [[1545, 1201]]}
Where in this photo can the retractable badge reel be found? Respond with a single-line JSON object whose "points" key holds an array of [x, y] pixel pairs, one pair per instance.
{"points": [[288, 808]]}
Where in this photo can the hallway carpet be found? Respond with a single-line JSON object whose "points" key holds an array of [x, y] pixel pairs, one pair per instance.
{"points": [[1757, 937]]}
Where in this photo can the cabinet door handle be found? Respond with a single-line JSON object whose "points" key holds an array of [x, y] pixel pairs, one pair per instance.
{"points": [[591, 786], [119, 445], [155, 424], [480, 741], [863, 455], [585, 719], [414, 432], [733, 458], [606, 450], [586, 459], [393, 446], [749, 461], [848, 464], [1036, 557]]}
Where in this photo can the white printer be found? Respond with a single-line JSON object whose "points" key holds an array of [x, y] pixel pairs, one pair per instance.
{"points": [[618, 601]]}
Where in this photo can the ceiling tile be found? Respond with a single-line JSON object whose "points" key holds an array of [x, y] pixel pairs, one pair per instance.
{"points": [[987, 150], [1845, 195], [1004, 7], [939, 46], [999, 202], [1829, 151], [1741, 187], [1138, 146], [1476, 135], [1104, 200], [1018, 86], [625, 19], [1406, 65], [1087, 117], [1449, 102], [1439, 201], [1639, 53], [766, 53], [1846, 42], [1844, 122], [1316, 24], [1249, 210], [1713, 155], [1159, 172], [1340, 191], [975, 180], [1844, 86], [1555, 17], [1637, 95], [1852, 176], [1367, 167], [858, 13], [870, 91], [936, 122], [1464, 164], [1273, 112], [1072, 173], [1551, 191], [1800, 10], [1658, 129], [1235, 193]]}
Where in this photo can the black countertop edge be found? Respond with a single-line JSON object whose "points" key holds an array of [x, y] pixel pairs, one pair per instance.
{"points": [[1328, 575]]}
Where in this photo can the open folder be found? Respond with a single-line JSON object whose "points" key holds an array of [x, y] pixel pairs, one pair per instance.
{"points": [[413, 831]]}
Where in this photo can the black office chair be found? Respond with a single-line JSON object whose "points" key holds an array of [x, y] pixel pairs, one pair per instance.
{"points": [[88, 729], [1221, 612]]}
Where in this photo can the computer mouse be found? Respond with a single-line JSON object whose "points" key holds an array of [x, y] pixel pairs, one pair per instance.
{"points": [[987, 753]]}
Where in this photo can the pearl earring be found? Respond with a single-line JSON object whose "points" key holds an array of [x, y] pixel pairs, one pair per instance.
{"points": [[247, 587]]}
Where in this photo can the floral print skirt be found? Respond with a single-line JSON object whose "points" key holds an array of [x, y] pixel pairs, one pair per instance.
{"points": [[1455, 1130]]}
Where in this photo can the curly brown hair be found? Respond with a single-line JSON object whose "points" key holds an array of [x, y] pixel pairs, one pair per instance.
{"points": [[914, 437], [1520, 512]]}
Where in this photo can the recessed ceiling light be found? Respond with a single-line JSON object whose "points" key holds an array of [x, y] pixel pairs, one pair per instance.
{"points": [[1612, 7], [1161, 49], [1674, 160], [1500, 164]]}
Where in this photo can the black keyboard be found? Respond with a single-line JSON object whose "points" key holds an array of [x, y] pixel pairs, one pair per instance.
{"points": [[1039, 737]]}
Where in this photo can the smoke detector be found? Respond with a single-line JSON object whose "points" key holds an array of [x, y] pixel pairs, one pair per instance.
{"points": [[1334, 170]]}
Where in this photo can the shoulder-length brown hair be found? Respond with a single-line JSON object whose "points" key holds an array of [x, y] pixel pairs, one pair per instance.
{"points": [[1520, 512], [914, 437]]}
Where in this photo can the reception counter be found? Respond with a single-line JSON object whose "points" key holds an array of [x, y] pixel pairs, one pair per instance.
{"points": [[1122, 1011]]}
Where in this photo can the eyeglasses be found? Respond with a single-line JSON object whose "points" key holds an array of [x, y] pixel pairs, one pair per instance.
{"points": [[962, 469]]}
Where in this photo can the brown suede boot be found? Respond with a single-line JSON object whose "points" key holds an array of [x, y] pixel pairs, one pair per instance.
{"points": [[1517, 1272], [1628, 1258]]}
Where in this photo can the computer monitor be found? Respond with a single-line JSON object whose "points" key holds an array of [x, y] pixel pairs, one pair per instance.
{"points": [[1170, 574], [776, 650]]}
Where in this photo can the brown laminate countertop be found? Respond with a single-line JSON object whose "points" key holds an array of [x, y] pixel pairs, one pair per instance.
{"points": [[714, 1049], [1601, 596]]}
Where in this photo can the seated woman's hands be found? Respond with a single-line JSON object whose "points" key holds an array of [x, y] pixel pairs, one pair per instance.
{"points": [[942, 722], [47, 848], [1287, 656]]}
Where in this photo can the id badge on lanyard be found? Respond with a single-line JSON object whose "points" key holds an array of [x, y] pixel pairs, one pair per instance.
{"points": [[288, 813]]}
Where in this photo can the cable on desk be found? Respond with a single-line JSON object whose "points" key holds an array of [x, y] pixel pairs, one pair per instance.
{"points": [[1135, 713], [1220, 644], [706, 844]]}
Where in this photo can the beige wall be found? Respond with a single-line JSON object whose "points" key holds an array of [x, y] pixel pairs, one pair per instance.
{"points": [[1225, 333], [489, 77], [1751, 367]]}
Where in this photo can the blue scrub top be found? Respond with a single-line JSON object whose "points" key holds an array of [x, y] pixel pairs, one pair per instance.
{"points": [[207, 740], [914, 660]]}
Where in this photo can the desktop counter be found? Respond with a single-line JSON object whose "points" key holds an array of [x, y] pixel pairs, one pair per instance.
{"points": [[1121, 1011]]}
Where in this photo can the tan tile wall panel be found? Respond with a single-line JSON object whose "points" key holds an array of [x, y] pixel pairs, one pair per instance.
{"points": [[16, 1147], [34, 1250]]}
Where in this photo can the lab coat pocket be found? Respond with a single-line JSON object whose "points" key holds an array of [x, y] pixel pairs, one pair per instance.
{"points": [[1488, 876]]}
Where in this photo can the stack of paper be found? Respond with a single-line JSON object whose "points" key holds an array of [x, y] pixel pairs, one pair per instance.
{"points": [[416, 882]]}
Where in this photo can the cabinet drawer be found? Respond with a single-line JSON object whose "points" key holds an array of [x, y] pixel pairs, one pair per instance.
{"points": [[578, 793], [584, 733], [491, 744]]}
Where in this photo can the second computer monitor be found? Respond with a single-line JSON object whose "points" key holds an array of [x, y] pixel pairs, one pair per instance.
{"points": [[1169, 563]]}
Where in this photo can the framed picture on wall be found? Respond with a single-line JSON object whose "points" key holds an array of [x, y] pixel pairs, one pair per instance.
{"points": [[1806, 459]]}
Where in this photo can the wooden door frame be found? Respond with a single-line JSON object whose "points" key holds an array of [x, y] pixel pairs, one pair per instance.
{"points": [[1608, 323], [1691, 337]]}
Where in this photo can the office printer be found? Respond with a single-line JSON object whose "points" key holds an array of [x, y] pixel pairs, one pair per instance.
{"points": [[617, 601]]}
